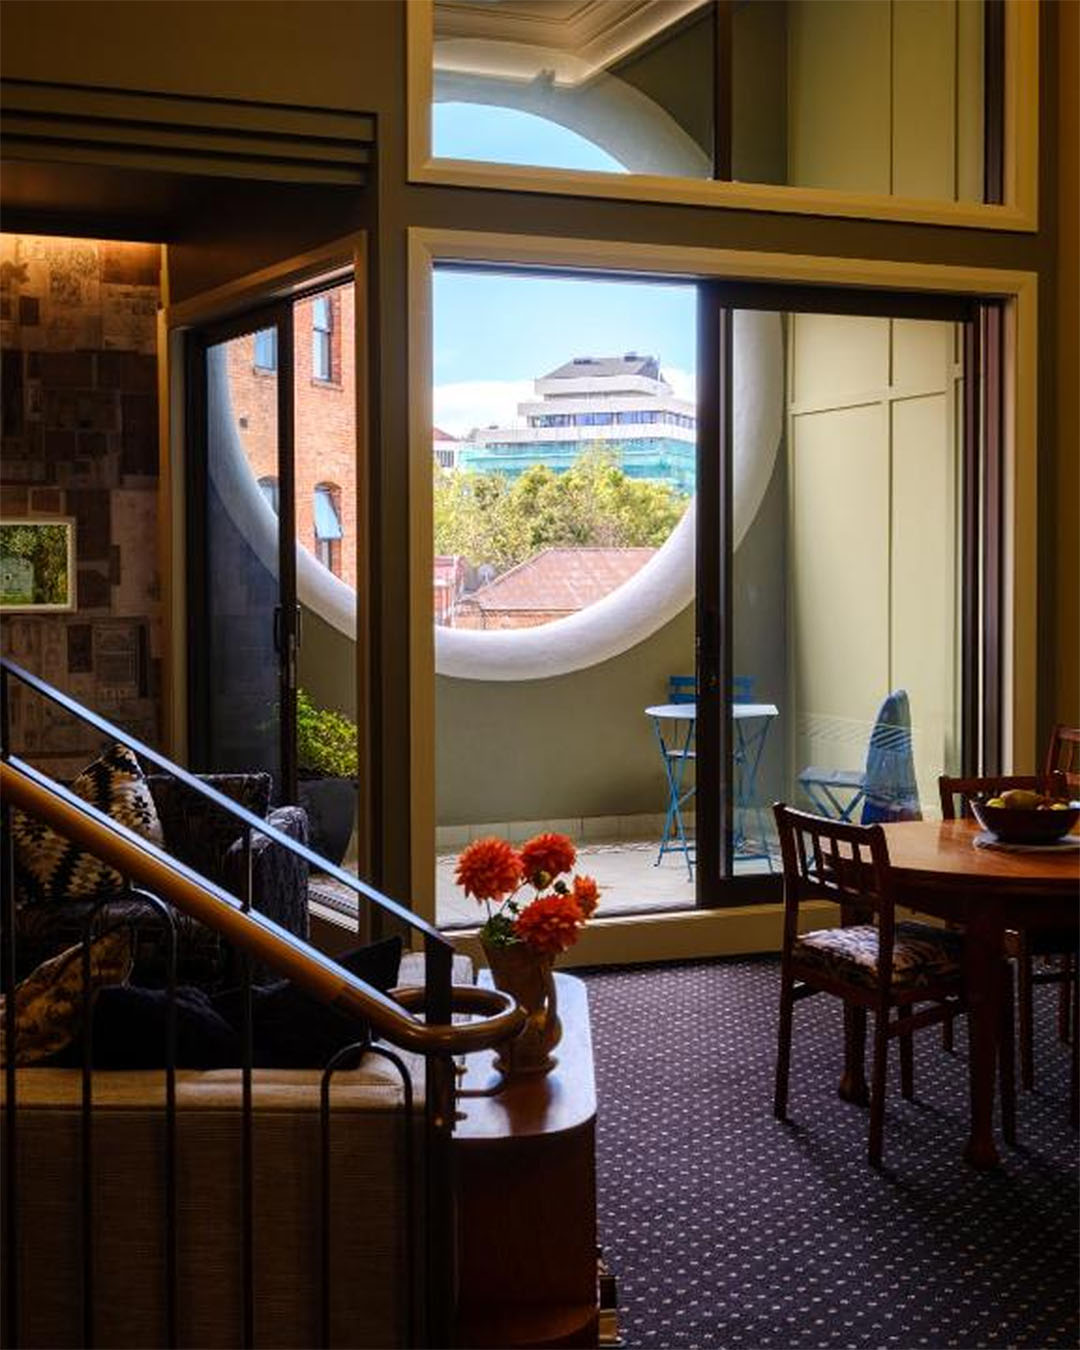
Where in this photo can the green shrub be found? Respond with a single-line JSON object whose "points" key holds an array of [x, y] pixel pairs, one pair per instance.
{"points": [[325, 740]]}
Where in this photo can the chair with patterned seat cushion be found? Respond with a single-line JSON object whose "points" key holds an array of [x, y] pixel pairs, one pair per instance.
{"points": [[871, 961]]}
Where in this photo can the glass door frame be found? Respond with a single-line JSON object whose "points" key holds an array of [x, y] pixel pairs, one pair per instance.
{"points": [[980, 536], [1011, 292], [277, 315], [980, 543]]}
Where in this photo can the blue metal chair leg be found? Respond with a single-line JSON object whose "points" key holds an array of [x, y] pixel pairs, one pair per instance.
{"points": [[673, 837]]}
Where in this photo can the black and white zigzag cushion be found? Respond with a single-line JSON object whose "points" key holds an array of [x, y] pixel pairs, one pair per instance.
{"points": [[50, 868]]}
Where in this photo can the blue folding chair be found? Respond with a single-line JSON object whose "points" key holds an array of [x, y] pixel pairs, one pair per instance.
{"points": [[885, 786], [683, 688]]}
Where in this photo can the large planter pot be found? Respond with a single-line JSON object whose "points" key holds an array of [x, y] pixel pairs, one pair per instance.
{"points": [[520, 970], [330, 804]]}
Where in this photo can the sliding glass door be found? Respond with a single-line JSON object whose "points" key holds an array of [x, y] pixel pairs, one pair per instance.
{"points": [[275, 550], [842, 533], [805, 627], [241, 549]]}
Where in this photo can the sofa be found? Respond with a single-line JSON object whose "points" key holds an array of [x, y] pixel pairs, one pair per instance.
{"points": [[208, 839], [371, 1299]]}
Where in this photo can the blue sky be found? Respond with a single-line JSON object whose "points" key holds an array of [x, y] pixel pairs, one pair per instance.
{"points": [[506, 136], [494, 334]]}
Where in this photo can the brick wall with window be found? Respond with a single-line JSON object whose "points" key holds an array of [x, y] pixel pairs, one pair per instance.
{"points": [[325, 412]]}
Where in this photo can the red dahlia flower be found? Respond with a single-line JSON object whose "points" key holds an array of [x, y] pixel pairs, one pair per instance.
{"points": [[489, 869], [547, 853], [587, 894], [550, 924]]}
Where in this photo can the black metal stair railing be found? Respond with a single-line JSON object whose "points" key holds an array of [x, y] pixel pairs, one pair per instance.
{"points": [[164, 886]]}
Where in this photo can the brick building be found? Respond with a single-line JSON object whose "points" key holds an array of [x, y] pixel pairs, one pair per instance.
{"points": [[324, 365]]}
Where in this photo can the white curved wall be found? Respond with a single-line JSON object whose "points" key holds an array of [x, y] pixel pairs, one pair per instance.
{"points": [[663, 587]]}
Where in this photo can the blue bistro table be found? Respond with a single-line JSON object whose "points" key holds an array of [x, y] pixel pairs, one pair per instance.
{"points": [[674, 725]]}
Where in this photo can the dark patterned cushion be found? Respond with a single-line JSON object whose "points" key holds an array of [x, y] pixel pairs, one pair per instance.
{"points": [[196, 831], [131, 1032], [49, 1002], [922, 955], [50, 868], [44, 930], [292, 1030]]}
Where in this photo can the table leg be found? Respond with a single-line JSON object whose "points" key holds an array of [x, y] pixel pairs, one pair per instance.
{"points": [[983, 981], [853, 1084], [1007, 1056]]}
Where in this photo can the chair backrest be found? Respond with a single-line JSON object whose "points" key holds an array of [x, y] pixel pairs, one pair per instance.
{"points": [[1063, 755], [827, 859], [950, 790], [683, 688], [889, 776]]}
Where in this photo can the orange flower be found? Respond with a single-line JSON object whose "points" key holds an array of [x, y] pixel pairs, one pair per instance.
{"points": [[489, 869], [549, 854], [550, 924], [587, 895]]}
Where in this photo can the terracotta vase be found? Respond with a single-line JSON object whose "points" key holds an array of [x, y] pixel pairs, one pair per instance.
{"points": [[520, 970]]}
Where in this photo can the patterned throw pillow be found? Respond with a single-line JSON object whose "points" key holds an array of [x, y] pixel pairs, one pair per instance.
{"points": [[49, 1002], [50, 867]]}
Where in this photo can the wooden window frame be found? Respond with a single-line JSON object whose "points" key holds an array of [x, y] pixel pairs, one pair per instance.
{"points": [[734, 926], [1010, 142]]}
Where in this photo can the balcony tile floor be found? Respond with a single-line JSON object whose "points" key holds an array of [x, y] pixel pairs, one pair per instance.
{"points": [[626, 871]]}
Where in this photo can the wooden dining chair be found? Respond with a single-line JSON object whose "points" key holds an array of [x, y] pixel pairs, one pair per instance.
{"points": [[871, 961], [1022, 946], [1063, 756]]}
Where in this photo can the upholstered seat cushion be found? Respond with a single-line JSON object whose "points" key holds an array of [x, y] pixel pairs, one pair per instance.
{"points": [[922, 955]]}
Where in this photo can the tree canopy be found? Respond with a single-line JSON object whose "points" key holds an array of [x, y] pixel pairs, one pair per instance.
{"points": [[491, 518]]}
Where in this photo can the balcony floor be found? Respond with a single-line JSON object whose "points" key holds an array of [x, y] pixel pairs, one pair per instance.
{"points": [[626, 871]]}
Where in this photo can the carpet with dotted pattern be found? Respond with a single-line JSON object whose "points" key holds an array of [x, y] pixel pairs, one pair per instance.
{"points": [[726, 1228]]}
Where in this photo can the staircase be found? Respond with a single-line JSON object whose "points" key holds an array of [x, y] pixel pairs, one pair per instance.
{"points": [[233, 1206]]}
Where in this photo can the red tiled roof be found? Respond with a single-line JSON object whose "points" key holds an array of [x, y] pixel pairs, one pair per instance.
{"points": [[561, 579]]}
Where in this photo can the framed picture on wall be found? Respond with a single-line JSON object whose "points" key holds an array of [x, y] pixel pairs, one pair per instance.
{"points": [[37, 565]]}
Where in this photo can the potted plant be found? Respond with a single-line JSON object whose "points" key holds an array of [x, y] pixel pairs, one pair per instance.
{"points": [[328, 765]]}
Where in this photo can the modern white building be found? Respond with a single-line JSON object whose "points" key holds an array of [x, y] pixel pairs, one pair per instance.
{"points": [[618, 403]]}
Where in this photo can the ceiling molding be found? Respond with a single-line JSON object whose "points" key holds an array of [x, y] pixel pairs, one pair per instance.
{"points": [[576, 37]]}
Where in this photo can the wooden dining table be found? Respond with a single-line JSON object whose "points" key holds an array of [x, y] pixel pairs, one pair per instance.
{"points": [[953, 871]]}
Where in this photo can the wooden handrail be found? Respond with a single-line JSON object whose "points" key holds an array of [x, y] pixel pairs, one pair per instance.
{"points": [[241, 814], [133, 856]]}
